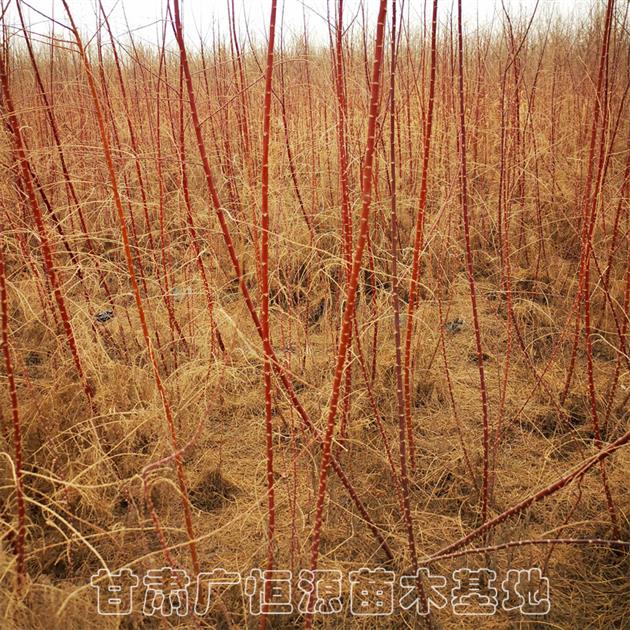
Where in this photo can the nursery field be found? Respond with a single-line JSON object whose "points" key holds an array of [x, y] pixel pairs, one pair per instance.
{"points": [[315, 326]]}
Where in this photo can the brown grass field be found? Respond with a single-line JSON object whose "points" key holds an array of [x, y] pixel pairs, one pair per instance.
{"points": [[298, 303]]}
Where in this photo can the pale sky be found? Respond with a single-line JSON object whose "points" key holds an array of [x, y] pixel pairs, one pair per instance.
{"points": [[202, 16]]}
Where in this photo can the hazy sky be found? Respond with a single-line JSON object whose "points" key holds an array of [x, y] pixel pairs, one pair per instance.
{"points": [[201, 16]]}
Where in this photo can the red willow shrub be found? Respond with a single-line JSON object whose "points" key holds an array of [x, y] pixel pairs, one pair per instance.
{"points": [[296, 234], [168, 413]]}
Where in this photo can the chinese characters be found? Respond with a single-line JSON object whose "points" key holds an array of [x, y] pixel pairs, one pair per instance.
{"points": [[366, 592]]}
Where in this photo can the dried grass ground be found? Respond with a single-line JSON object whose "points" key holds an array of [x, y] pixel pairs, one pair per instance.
{"points": [[96, 462]]}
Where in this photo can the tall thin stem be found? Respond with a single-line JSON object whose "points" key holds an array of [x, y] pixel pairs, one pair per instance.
{"points": [[469, 262], [348, 313], [264, 308]]}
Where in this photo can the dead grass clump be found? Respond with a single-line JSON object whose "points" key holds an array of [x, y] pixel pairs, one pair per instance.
{"points": [[429, 392], [537, 326], [213, 491], [564, 235]]}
